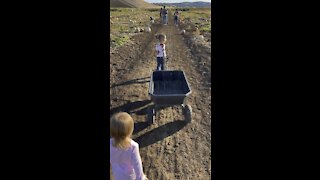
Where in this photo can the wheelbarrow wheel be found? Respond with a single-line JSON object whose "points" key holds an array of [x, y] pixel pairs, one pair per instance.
{"points": [[187, 113], [151, 116]]}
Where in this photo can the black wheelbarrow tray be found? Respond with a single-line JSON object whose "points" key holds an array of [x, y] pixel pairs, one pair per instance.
{"points": [[169, 88]]}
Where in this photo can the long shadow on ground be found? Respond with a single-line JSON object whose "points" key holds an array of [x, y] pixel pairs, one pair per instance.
{"points": [[139, 126], [134, 81], [159, 133], [132, 107], [137, 107]]}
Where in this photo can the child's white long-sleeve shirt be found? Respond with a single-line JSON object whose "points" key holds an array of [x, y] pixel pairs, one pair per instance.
{"points": [[126, 164], [161, 50]]}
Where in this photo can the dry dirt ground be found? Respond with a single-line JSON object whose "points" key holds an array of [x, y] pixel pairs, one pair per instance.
{"points": [[169, 148]]}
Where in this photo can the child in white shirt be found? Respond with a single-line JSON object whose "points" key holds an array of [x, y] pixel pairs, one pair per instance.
{"points": [[125, 158], [161, 51], [176, 17]]}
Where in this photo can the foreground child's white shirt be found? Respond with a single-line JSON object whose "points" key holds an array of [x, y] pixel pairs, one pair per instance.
{"points": [[126, 164], [161, 49]]}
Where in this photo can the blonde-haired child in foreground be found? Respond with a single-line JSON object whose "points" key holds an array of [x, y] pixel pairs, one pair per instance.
{"points": [[125, 158]]}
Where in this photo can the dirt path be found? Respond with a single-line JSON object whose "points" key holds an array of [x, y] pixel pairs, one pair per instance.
{"points": [[170, 148]]}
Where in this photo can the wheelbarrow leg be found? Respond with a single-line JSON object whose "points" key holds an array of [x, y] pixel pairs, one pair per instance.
{"points": [[187, 111], [151, 115]]}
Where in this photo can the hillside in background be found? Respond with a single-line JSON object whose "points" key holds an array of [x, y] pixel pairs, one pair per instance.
{"points": [[131, 4], [186, 4]]}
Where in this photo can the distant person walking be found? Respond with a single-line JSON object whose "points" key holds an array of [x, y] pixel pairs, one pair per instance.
{"points": [[164, 15], [161, 12], [176, 17]]}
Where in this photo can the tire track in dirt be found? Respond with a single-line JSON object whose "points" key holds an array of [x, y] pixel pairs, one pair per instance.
{"points": [[170, 149]]}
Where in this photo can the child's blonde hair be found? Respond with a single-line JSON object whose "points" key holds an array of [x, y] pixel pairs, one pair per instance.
{"points": [[161, 36], [121, 128]]}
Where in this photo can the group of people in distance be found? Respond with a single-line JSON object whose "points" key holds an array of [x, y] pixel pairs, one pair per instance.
{"points": [[160, 46], [125, 159], [164, 16]]}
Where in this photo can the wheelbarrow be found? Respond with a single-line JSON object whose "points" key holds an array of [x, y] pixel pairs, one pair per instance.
{"points": [[169, 88]]}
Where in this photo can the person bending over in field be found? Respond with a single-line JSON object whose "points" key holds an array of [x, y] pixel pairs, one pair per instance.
{"points": [[161, 51], [125, 158], [151, 20]]}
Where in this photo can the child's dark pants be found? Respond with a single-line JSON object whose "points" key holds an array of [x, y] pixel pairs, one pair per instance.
{"points": [[160, 63], [176, 20]]}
